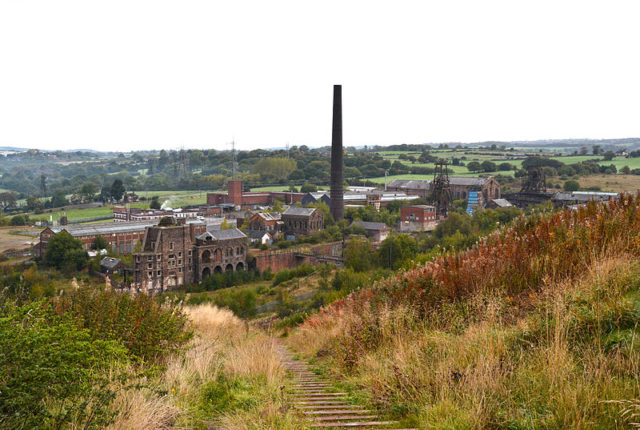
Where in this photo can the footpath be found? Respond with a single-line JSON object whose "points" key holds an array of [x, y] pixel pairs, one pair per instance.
{"points": [[319, 403]]}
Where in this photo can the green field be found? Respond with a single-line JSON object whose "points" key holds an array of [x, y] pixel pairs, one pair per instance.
{"points": [[175, 198]]}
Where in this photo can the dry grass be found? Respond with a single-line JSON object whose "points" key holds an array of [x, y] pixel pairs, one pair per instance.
{"points": [[552, 366], [224, 348]]}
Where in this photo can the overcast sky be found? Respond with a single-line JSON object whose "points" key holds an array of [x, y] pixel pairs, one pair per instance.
{"points": [[123, 75]]}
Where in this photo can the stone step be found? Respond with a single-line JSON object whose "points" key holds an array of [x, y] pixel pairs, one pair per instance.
{"points": [[323, 407], [344, 418], [353, 424], [319, 402], [335, 411], [323, 394]]}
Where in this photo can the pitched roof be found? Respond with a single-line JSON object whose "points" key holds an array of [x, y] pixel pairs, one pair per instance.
{"points": [[367, 225], [110, 262], [232, 233], [412, 184], [467, 181], [270, 216], [502, 203], [298, 211], [257, 234]]}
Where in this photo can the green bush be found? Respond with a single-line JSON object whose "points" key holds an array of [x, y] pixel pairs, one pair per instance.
{"points": [[148, 330], [18, 220], [240, 302], [66, 252], [53, 373]]}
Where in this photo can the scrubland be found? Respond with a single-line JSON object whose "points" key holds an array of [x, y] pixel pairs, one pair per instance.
{"points": [[536, 326], [229, 377]]}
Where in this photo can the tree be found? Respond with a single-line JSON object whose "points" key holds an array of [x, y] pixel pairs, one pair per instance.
{"points": [[8, 199], [396, 249], [155, 203], [504, 167], [117, 190], [64, 251], [18, 220], [58, 200], [34, 203], [596, 149], [474, 166], [100, 243], [571, 186], [274, 169], [358, 255], [488, 166], [626, 170], [308, 188], [88, 191], [608, 156]]}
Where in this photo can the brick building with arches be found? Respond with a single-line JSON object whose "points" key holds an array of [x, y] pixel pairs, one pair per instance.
{"points": [[176, 255]]}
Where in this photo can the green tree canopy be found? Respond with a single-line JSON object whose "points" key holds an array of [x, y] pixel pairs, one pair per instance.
{"points": [[64, 251]]}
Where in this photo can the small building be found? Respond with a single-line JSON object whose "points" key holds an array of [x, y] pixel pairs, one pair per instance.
{"points": [[299, 221], [376, 231], [499, 203], [110, 265], [266, 221], [259, 237], [417, 218]]}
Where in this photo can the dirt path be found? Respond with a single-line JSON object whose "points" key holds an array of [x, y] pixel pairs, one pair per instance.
{"points": [[319, 403]]}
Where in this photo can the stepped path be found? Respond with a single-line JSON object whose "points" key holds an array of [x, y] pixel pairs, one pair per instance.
{"points": [[320, 405]]}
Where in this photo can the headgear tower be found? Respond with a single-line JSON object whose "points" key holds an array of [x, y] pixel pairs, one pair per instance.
{"points": [[337, 187]]}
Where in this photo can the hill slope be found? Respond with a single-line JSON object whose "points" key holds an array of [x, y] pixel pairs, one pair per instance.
{"points": [[535, 327]]}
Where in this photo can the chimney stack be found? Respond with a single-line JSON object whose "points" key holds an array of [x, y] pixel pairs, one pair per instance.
{"points": [[337, 187]]}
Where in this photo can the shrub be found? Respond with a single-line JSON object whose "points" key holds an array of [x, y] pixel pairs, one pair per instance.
{"points": [[241, 302], [571, 186], [18, 220], [53, 373], [148, 330]]}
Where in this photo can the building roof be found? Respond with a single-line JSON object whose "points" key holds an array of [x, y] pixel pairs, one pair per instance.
{"points": [[257, 234], [467, 181], [110, 262], [270, 216], [410, 184], [298, 211], [104, 228], [231, 233], [374, 226], [502, 203], [585, 196]]}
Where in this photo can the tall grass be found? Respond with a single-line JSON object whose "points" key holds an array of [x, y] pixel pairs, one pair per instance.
{"points": [[535, 326], [228, 371]]}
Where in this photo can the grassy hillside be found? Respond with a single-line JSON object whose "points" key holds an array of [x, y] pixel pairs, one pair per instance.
{"points": [[534, 327]]}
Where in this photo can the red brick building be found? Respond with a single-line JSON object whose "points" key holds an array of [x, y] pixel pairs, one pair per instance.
{"points": [[123, 213], [266, 221], [236, 197], [299, 221], [417, 218], [122, 236], [176, 255]]}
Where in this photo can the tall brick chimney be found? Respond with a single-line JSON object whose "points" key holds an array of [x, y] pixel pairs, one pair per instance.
{"points": [[337, 188], [235, 192]]}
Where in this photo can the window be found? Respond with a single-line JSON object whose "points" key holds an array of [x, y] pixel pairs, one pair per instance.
{"points": [[159, 272], [150, 265], [179, 262], [189, 252], [171, 246], [150, 274], [179, 254]]}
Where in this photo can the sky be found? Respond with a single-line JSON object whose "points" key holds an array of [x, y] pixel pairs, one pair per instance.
{"points": [[135, 75]]}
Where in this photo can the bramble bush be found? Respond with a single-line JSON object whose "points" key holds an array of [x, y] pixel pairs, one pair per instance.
{"points": [[147, 329], [52, 372]]}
